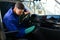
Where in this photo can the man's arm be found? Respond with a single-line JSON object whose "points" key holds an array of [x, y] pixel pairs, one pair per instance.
{"points": [[10, 25], [26, 11]]}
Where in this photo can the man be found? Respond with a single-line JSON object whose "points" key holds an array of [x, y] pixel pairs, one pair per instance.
{"points": [[11, 19]]}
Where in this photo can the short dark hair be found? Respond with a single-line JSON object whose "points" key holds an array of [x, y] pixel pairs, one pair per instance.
{"points": [[19, 5]]}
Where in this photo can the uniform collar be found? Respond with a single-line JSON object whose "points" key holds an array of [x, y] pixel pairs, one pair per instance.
{"points": [[13, 12]]}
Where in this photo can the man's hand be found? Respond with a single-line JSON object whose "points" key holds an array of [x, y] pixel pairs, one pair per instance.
{"points": [[27, 12]]}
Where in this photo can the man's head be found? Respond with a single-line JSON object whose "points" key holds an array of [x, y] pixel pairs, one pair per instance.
{"points": [[19, 8]]}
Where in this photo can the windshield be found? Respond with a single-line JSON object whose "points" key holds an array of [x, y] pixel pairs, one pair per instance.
{"points": [[44, 7]]}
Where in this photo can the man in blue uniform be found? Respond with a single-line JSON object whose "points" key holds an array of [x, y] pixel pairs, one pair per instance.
{"points": [[11, 19]]}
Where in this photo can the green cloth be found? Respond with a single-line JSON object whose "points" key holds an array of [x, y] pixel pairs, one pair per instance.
{"points": [[30, 29]]}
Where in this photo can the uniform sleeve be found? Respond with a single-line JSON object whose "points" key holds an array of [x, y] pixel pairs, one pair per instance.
{"points": [[10, 25], [25, 10]]}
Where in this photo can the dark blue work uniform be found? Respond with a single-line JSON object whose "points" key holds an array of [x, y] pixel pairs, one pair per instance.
{"points": [[11, 21]]}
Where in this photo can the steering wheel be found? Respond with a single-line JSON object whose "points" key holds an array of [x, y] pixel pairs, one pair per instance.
{"points": [[31, 23]]}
